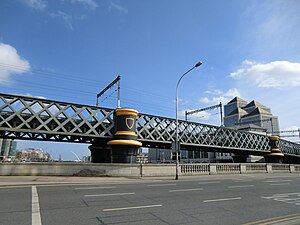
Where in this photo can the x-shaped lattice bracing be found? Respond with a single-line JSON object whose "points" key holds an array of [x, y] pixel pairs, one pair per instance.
{"points": [[289, 148], [158, 128], [32, 118], [57, 120]]}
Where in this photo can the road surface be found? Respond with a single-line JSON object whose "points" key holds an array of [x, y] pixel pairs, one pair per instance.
{"points": [[194, 200]]}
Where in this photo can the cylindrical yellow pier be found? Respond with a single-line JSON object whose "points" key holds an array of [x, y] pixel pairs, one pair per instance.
{"points": [[275, 156], [124, 146]]}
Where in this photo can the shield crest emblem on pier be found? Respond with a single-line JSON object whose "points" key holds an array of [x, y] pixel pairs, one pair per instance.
{"points": [[129, 123]]}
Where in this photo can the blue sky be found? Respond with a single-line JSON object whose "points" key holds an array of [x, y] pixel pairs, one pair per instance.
{"points": [[69, 50]]}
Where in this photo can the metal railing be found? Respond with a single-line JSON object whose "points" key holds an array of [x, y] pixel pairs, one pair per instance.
{"points": [[194, 168], [228, 168], [236, 168]]}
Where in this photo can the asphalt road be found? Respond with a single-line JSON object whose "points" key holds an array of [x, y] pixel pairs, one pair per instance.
{"points": [[227, 199]]}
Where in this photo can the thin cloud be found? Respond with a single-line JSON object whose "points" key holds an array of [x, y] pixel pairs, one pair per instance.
{"points": [[11, 63], [214, 92], [35, 4], [68, 19], [269, 31], [90, 4], [275, 74], [223, 97], [117, 7], [29, 95]]}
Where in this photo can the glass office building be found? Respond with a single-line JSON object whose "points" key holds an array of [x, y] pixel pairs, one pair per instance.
{"points": [[7, 148]]}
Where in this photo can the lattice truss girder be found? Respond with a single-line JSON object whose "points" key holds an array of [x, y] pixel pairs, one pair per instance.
{"points": [[159, 129], [289, 148], [40, 119]]}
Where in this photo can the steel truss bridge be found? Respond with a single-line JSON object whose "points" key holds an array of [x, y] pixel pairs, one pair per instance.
{"points": [[29, 118]]}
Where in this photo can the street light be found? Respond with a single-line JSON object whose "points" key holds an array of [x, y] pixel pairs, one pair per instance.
{"points": [[176, 139]]}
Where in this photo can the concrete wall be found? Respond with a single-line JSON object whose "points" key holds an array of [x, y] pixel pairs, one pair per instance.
{"points": [[69, 169], [139, 170]]}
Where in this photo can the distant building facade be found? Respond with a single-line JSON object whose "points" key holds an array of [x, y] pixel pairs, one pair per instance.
{"points": [[86, 159], [32, 155], [156, 155], [253, 116], [7, 148]]}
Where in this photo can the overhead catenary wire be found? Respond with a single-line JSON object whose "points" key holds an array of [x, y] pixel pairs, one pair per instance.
{"points": [[141, 105], [81, 81], [51, 74], [90, 83], [76, 79]]}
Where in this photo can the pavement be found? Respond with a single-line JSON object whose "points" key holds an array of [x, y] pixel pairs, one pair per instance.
{"points": [[213, 199]]}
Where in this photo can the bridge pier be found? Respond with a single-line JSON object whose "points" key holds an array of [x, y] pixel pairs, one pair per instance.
{"points": [[100, 152], [124, 147], [275, 156], [291, 160], [239, 158]]}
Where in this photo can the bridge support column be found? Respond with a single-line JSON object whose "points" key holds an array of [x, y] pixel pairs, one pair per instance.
{"points": [[124, 147], [100, 153], [275, 156], [239, 158]]}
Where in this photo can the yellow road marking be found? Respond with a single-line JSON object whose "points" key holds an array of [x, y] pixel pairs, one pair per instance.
{"points": [[275, 219]]}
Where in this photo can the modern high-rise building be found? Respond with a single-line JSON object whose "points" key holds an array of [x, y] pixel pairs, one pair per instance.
{"points": [[7, 148], [252, 116]]}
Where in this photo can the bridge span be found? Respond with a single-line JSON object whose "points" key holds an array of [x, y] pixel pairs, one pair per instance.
{"points": [[29, 118]]}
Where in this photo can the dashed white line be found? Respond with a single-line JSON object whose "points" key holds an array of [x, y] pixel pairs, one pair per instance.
{"points": [[280, 184], [276, 181], [242, 181], [91, 188], [36, 214], [241, 186], [160, 185], [284, 194], [192, 189], [132, 207], [223, 199], [112, 194], [210, 182]]}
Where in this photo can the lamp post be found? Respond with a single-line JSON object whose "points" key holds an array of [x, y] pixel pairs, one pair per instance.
{"points": [[176, 139]]}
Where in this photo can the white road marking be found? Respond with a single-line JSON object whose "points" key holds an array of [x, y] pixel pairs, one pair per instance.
{"points": [[282, 195], [242, 181], [241, 186], [276, 181], [36, 214], [8, 187], [112, 194], [290, 198], [193, 189], [90, 188], [280, 184], [212, 182], [222, 199], [133, 207], [160, 185]]}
